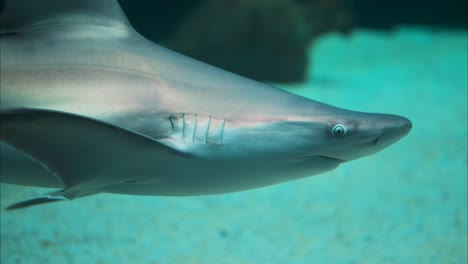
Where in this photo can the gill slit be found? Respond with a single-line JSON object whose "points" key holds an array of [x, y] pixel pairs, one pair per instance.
{"points": [[208, 129], [195, 127], [222, 131]]}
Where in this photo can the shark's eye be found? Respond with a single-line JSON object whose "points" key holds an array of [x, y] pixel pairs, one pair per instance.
{"points": [[339, 130]]}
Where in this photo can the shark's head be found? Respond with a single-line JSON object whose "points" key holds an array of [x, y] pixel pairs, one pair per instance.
{"points": [[291, 138], [302, 145], [347, 135]]}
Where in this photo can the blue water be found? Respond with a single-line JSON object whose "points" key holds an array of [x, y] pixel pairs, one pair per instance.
{"points": [[406, 204]]}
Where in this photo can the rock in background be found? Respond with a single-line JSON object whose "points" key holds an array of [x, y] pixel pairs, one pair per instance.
{"points": [[265, 40]]}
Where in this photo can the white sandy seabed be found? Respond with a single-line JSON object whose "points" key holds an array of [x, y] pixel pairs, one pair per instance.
{"points": [[406, 204]]}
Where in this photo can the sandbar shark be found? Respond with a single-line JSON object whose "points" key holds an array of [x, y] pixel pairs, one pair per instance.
{"points": [[90, 106]]}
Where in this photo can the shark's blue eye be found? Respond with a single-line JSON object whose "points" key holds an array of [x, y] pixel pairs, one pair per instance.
{"points": [[339, 130]]}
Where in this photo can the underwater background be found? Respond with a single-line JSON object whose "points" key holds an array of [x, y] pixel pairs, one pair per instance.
{"points": [[405, 204]]}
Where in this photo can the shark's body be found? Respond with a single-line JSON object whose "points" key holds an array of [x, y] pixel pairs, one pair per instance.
{"points": [[89, 106]]}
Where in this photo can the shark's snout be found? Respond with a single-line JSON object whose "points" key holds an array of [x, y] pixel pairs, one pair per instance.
{"points": [[393, 128]]}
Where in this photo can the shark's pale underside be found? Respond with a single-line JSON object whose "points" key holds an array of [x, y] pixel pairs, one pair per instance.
{"points": [[89, 106]]}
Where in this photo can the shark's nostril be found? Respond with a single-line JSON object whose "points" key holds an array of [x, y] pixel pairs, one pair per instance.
{"points": [[376, 141]]}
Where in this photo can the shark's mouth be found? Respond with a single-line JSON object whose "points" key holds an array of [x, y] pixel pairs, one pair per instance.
{"points": [[320, 156], [331, 158]]}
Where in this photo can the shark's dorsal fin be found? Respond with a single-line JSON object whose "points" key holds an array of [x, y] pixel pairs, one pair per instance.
{"points": [[18, 15]]}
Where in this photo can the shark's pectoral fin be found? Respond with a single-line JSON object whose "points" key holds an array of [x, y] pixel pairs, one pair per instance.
{"points": [[85, 154]]}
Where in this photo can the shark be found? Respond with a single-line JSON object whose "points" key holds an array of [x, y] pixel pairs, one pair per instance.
{"points": [[90, 106]]}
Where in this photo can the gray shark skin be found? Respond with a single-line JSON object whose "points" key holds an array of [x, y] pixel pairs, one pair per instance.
{"points": [[90, 106]]}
